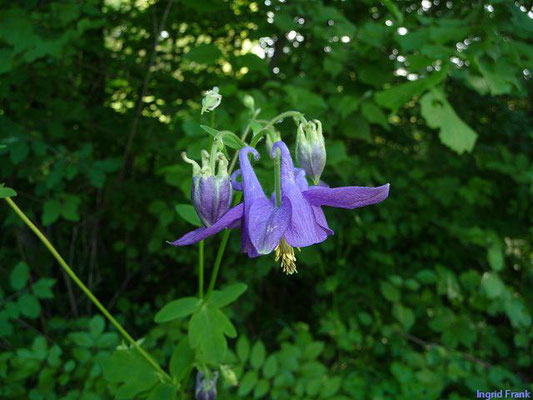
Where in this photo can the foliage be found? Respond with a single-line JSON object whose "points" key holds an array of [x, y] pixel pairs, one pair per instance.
{"points": [[425, 296]]}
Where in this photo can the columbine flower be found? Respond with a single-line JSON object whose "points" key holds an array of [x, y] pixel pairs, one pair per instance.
{"points": [[206, 389], [211, 194], [297, 222], [311, 149], [211, 100]]}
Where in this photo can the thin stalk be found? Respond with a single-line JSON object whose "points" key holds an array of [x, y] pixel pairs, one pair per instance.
{"points": [[85, 289], [201, 269], [220, 254]]}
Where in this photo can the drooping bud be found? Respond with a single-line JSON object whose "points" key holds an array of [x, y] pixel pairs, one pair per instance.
{"points": [[211, 100], [206, 387], [311, 149], [211, 193]]}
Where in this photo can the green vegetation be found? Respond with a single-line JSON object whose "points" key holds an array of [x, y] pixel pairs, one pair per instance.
{"points": [[424, 296]]}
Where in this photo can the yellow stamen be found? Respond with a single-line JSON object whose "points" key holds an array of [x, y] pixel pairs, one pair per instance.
{"points": [[285, 252]]}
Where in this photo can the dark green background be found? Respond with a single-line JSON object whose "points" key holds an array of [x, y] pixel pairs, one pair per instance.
{"points": [[425, 296]]}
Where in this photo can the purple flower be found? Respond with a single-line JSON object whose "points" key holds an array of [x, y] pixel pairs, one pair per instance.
{"points": [[297, 222], [206, 389], [211, 194]]}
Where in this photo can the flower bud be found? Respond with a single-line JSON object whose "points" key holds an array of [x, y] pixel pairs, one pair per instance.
{"points": [[206, 388], [311, 149], [249, 102], [211, 100], [211, 194]]}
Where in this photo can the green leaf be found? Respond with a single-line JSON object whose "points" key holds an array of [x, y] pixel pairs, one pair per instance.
{"points": [[51, 212], [390, 292], [270, 368], [227, 295], [492, 285], [439, 114], [29, 305], [96, 326], [374, 114], [331, 387], [261, 388], [188, 213], [312, 350], [163, 391], [398, 95], [258, 355], [243, 348], [42, 288], [19, 276], [40, 348], [69, 208], [207, 335], [495, 256], [133, 373], [204, 54], [181, 360], [229, 139], [247, 383], [6, 192], [178, 309], [404, 315]]}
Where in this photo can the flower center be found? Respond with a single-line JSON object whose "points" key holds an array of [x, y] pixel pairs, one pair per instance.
{"points": [[285, 253]]}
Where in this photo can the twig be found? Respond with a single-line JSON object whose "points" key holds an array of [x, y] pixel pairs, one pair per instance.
{"points": [[134, 126]]}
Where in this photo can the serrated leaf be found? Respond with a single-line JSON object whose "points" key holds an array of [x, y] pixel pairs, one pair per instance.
{"points": [[221, 298], [439, 114], [178, 309], [19, 276], [398, 95], [188, 213], [257, 357]]}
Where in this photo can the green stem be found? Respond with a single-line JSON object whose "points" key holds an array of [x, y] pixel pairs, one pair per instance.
{"points": [[201, 269], [220, 254], [84, 288], [286, 114]]}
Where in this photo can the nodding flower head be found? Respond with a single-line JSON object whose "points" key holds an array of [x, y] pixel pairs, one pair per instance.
{"points": [[211, 100], [206, 387], [211, 193], [311, 149]]}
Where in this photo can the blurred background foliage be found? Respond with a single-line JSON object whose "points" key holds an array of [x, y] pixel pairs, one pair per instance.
{"points": [[425, 296]]}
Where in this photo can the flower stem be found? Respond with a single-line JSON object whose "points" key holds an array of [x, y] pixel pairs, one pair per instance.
{"points": [[85, 289], [220, 254], [201, 269], [286, 114]]}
